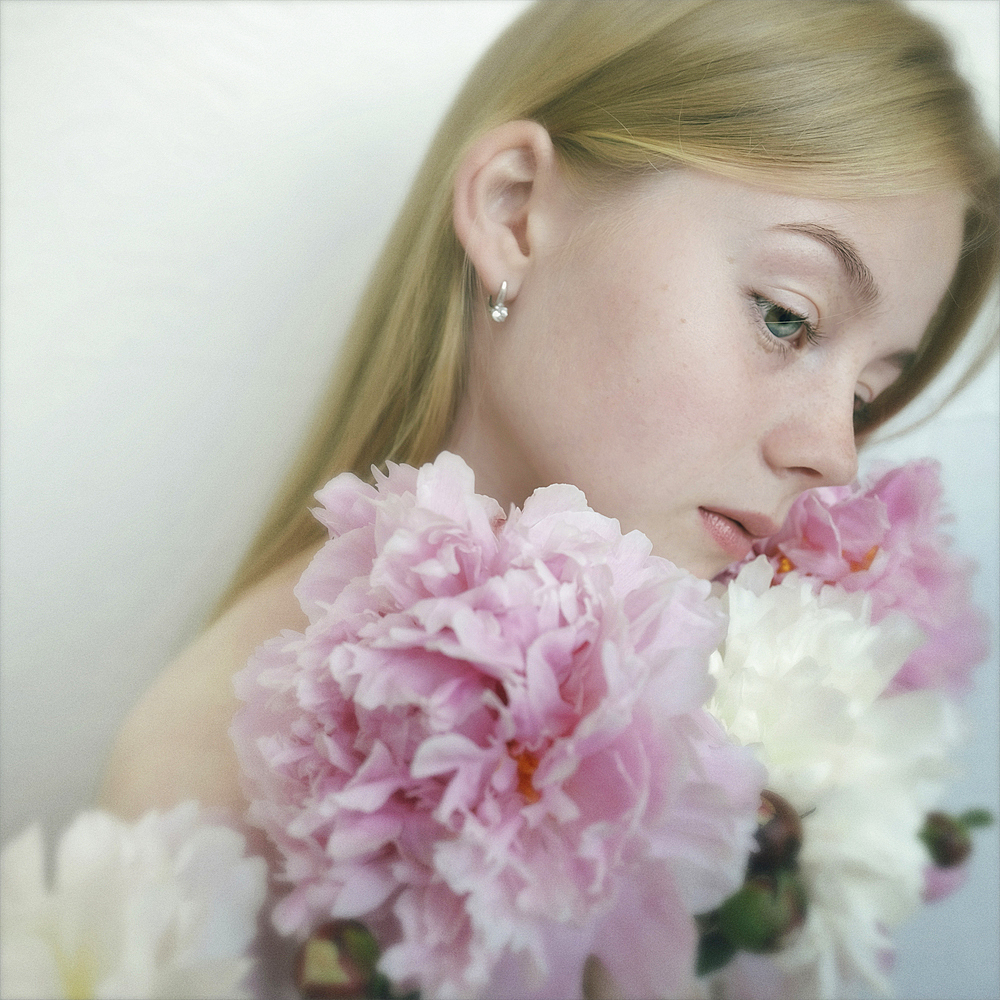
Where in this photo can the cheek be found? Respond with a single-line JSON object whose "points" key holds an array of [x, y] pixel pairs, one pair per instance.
{"points": [[690, 381], [636, 372]]}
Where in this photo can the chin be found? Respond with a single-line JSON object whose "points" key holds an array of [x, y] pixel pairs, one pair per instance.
{"points": [[706, 569]]}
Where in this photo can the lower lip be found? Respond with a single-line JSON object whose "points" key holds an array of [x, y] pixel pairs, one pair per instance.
{"points": [[728, 535]]}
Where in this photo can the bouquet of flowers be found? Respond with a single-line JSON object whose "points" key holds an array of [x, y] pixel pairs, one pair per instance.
{"points": [[512, 745], [518, 755]]}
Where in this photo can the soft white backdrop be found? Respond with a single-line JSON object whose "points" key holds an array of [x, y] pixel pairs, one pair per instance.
{"points": [[192, 194]]}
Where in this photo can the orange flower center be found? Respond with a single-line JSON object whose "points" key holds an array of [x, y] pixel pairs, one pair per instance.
{"points": [[527, 764], [865, 563], [785, 565]]}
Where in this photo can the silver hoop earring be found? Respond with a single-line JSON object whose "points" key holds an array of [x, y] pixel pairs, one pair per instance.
{"points": [[498, 311]]}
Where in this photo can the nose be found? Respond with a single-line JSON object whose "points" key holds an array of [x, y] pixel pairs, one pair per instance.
{"points": [[813, 438]]}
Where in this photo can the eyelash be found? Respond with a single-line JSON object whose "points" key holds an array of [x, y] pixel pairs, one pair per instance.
{"points": [[808, 333]]}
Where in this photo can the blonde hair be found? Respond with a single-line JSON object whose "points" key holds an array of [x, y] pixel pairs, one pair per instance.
{"points": [[831, 98]]}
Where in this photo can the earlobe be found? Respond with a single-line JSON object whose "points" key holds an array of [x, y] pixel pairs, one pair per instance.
{"points": [[500, 189]]}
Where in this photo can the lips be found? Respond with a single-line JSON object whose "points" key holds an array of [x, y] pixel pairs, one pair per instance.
{"points": [[756, 525], [735, 531]]}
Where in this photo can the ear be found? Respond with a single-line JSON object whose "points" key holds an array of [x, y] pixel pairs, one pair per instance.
{"points": [[501, 188]]}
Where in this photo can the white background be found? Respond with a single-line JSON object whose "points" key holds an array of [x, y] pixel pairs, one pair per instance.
{"points": [[192, 194]]}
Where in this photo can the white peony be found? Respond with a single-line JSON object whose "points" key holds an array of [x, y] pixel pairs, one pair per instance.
{"points": [[166, 907], [799, 678]]}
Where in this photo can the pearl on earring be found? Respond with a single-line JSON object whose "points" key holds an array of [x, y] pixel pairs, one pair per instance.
{"points": [[498, 311]]}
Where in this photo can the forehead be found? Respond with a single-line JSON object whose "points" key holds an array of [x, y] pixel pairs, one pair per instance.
{"points": [[885, 247], [895, 241]]}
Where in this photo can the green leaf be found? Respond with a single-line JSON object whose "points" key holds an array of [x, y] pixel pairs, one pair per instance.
{"points": [[973, 818], [714, 951]]}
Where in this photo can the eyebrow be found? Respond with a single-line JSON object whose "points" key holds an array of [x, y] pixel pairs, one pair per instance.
{"points": [[861, 279]]}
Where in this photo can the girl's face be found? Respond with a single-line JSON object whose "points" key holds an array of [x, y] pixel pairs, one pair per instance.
{"points": [[690, 354]]}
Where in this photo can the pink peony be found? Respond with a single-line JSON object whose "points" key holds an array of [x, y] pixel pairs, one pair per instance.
{"points": [[886, 539], [490, 745]]}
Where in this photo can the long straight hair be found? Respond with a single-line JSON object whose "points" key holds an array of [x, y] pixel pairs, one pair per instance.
{"points": [[832, 98]]}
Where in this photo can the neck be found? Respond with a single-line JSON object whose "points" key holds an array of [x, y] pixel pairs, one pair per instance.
{"points": [[492, 455]]}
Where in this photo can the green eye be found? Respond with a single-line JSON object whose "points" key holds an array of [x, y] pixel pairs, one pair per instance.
{"points": [[779, 321]]}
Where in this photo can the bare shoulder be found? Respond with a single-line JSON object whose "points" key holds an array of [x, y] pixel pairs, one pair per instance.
{"points": [[174, 744]]}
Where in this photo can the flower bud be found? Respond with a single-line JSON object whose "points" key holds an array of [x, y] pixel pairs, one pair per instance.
{"points": [[947, 839], [778, 836], [337, 962]]}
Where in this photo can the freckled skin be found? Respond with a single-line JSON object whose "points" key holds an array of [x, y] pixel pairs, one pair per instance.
{"points": [[635, 363]]}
